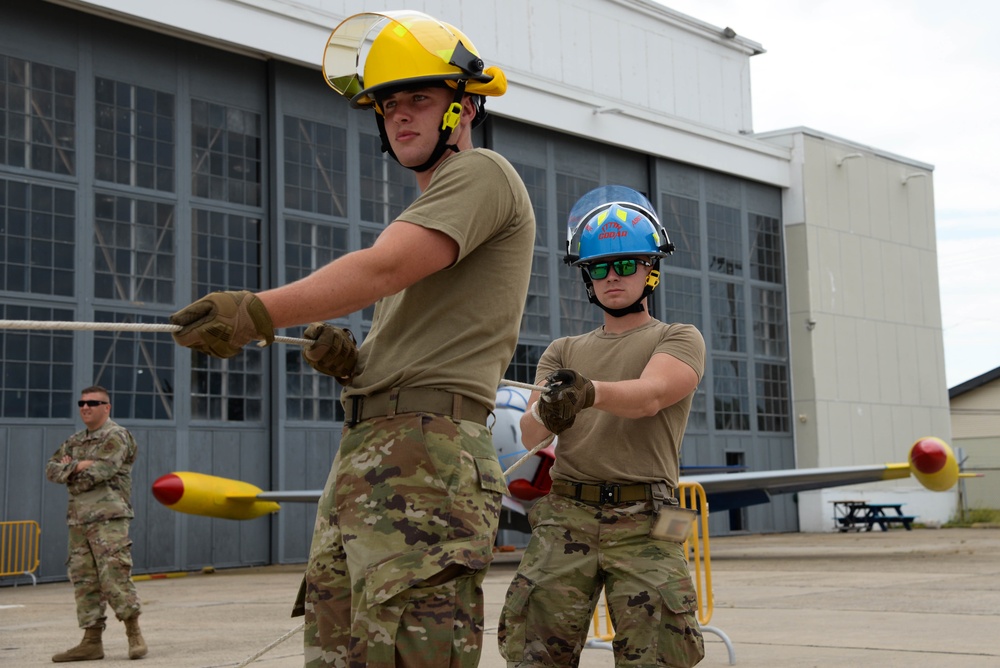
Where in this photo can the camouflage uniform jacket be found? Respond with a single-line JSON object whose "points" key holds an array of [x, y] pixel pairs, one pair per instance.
{"points": [[104, 490]]}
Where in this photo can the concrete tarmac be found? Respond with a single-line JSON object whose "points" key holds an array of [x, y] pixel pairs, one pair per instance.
{"points": [[922, 598]]}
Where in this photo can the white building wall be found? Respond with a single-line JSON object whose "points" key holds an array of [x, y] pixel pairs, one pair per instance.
{"points": [[974, 419], [865, 318], [625, 72]]}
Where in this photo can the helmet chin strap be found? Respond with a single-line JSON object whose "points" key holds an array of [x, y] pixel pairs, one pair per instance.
{"points": [[448, 123], [651, 282], [636, 307]]}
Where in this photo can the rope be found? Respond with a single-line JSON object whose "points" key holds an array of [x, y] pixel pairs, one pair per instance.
{"points": [[523, 386], [117, 327], [545, 441], [152, 327], [250, 659]]}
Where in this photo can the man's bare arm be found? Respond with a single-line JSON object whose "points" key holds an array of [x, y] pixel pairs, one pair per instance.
{"points": [[402, 255]]}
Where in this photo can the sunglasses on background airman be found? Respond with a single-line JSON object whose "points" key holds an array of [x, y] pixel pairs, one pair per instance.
{"points": [[600, 270], [93, 403]]}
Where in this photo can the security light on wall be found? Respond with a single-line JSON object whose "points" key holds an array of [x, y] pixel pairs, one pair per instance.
{"points": [[841, 160]]}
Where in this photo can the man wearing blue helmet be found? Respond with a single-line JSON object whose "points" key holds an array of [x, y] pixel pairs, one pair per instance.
{"points": [[619, 399]]}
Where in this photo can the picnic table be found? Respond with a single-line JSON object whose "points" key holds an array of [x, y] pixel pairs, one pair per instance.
{"points": [[855, 515]]}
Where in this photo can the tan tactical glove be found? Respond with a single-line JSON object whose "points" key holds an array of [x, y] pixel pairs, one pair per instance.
{"points": [[220, 323], [568, 393], [333, 351]]}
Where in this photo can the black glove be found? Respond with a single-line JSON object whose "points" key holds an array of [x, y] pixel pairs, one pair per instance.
{"points": [[220, 323], [333, 351], [568, 393]]}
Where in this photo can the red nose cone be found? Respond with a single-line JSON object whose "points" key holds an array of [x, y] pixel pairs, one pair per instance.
{"points": [[928, 456], [168, 489]]}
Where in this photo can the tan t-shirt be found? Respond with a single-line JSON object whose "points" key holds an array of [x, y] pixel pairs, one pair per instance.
{"points": [[456, 329], [601, 447]]}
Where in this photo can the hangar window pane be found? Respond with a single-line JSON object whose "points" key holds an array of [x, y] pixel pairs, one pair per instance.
{"points": [[679, 217], [535, 182], [310, 395], [133, 135], [698, 415], [315, 167], [769, 322], [577, 314], [133, 249], [309, 246], [728, 320], [226, 257], [37, 116], [37, 238], [682, 296], [137, 368], [386, 187], [37, 366], [725, 240], [524, 364], [773, 407], [732, 400], [766, 261], [535, 318], [225, 153], [228, 390]]}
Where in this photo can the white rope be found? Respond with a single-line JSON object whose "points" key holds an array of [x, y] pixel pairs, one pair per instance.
{"points": [[117, 327], [545, 441], [523, 386], [250, 659], [153, 327]]}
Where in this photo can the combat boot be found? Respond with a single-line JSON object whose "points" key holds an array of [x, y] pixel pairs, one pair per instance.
{"points": [[136, 645], [89, 649]]}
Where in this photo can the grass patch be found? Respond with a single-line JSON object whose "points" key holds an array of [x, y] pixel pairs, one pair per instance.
{"points": [[975, 516]]}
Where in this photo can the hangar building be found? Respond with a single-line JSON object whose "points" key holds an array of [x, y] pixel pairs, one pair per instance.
{"points": [[153, 152]]}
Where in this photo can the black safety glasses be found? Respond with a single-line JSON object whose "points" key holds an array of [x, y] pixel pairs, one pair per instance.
{"points": [[600, 270], [93, 403]]}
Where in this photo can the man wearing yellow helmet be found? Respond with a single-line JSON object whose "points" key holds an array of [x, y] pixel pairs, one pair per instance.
{"points": [[619, 398], [406, 524], [371, 56]]}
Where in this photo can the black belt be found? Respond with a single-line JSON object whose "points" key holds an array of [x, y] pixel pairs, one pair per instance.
{"points": [[414, 400], [604, 493]]}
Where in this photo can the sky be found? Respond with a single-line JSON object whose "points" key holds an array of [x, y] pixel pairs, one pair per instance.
{"points": [[917, 78]]}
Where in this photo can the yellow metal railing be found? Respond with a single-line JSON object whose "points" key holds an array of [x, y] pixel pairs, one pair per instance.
{"points": [[692, 495], [19, 548]]}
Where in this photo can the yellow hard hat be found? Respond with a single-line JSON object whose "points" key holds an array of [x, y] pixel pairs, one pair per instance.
{"points": [[370, 52]]}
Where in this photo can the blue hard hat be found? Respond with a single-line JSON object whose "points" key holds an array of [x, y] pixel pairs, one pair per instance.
{"points": [[614, 221]]}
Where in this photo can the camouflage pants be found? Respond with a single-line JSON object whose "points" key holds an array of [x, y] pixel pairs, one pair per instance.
{"points": [[404, 535], [575, 549], [100, 567]]}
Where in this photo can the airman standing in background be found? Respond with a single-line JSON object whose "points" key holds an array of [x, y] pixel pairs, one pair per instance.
{"points": [[95, 464]]}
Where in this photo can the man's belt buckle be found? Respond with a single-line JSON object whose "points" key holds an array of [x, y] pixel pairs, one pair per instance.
{"points": [[610, 493]]}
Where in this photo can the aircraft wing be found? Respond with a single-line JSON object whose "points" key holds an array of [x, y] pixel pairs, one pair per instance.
{"points": [[292, 496], [724, 491], [931, 461]]}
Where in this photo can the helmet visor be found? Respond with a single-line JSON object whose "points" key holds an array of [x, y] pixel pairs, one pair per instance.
{"points": [[602, 198], [351, 41]]}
